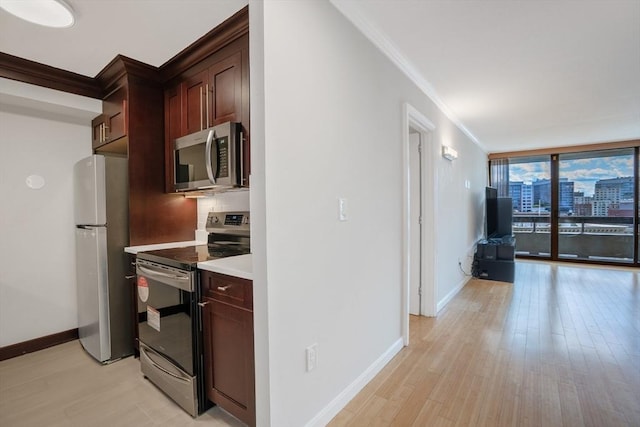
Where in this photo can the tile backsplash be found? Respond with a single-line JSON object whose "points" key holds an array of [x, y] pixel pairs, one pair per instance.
{"points": [[229, 201]]}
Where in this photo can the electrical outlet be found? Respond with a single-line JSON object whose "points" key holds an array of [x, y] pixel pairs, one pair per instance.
{"points": [[312, 357]]}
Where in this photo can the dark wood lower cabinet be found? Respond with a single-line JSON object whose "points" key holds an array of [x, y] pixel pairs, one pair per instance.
{"points": [[228, 338]]}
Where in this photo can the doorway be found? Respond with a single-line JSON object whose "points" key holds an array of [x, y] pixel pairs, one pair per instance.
{"points": [[419, 218]]}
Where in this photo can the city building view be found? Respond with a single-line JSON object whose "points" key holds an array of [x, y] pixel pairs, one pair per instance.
{"points": [[596, 196], [611, 197]]}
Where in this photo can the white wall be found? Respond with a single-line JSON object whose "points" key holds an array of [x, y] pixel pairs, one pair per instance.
{"points": [[456, 238], [332, 110], [37, 247]]}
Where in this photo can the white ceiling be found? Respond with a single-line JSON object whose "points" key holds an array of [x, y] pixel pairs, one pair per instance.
{"points": [[514, 74], [151, 31]]}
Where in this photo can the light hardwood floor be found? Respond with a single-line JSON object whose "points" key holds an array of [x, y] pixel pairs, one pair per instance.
{"points": [[559, 347], [63, 386]]}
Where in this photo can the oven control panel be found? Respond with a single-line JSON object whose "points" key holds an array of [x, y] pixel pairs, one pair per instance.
{"points": [[221, 222]]}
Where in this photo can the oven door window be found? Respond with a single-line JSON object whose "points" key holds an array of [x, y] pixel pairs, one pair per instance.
{"points": [[165, 321]]}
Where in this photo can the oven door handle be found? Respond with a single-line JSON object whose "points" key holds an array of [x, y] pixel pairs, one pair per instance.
{"points": [[150, 272], [150, 355]]}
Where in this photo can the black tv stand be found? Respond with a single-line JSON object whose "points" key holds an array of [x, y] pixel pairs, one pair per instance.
{"points": [[495, 259]]}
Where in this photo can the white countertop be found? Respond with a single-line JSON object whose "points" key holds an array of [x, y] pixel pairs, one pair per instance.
{"points": [[237, 266], [142, 248]]}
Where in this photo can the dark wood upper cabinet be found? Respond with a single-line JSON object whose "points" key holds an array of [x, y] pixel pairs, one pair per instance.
{"points": [[224, 90], [98, 126], [172, 113], [112, 123], [214, 91], [193, 93], [115, 110], [133, 111]]}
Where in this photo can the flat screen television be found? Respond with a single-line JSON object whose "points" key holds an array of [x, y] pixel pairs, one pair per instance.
{"points": [[491, 201], [499, 214]]}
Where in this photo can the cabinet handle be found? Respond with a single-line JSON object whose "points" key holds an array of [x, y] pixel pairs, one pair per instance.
{"points": [[202, 304], [242, 178], [105, 128], [223, 288], [130, 277], [201, 121], [124, 113], [207, 102]]}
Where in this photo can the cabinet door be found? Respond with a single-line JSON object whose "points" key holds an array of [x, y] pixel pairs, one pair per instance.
{"points": [[111, 125], [229, 361], [98, 126], [115, 109], [193, 94], [172, 130], [228, 344], [225, 90]]}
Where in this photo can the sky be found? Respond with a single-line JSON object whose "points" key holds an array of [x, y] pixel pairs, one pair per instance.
{"points": [[583, 172]]}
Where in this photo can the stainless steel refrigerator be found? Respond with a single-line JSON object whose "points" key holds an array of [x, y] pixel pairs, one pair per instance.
{"points": [[101, 215]]}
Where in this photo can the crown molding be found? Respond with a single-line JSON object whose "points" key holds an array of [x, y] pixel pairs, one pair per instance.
{"points": [[386, 46], [227, 32], [120, 67], [26, 71]]}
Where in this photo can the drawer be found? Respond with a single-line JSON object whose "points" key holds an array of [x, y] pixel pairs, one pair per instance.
{"points": [[228, 289]]}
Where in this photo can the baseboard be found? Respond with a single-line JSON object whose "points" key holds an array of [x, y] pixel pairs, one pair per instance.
{"points": [[452, 294], [36, 344], [340, 401]]}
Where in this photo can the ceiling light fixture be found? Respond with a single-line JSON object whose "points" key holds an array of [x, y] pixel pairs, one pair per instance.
{"points": [[50, 13]]}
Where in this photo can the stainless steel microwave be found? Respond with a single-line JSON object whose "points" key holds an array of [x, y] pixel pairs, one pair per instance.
{"points": [[209, 159]]}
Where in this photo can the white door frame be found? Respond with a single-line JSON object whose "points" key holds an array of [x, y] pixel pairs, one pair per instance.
{"points": [[412, 118]]}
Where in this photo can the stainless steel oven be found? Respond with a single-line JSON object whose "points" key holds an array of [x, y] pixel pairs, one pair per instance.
{"points": [[170, 346], [169, 316]]}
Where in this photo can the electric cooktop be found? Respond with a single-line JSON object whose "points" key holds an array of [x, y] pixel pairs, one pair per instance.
{"points": [[228, 236], [188, 257]]}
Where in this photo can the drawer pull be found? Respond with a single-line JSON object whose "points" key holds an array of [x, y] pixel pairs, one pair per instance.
{"points": [[223, 288], [202, 304]]}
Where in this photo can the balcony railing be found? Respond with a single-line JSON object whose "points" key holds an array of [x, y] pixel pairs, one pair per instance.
{"points": [[584, 237]]}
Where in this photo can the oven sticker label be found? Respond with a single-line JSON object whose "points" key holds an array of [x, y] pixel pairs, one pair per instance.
{"points": [[153, 318], [143, 289]]}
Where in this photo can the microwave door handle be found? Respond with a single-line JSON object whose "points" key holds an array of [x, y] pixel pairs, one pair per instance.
{"points": [[210, 173]]}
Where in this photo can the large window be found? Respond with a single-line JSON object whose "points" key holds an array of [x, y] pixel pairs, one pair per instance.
{"points": [[578, 206], [530, 192], [596, 205]]}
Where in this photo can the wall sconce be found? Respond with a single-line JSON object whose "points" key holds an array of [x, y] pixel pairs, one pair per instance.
{"points": [[449, 153]]}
